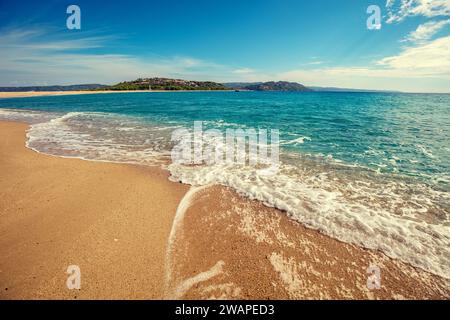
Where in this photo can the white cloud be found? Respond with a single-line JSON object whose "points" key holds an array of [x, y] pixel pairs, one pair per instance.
{"points": [[424, 67], [317, 62], [398, 10], [425, 31], [41, 38], [244, 71], [429, 59]]}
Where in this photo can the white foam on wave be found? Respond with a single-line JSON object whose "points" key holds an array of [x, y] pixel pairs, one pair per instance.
{"points": [[375, 217], [297, 141], [99, 137], [177, 223], [425, 151]]}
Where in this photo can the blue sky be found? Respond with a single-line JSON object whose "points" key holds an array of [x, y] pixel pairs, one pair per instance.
{"points": [[322, 43]]}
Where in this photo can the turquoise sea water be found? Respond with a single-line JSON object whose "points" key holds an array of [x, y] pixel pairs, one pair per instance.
{"points": [[399, 133], [367, 168]]}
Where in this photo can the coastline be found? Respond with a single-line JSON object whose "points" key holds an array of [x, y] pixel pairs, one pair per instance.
{"points": [[135, 234], [25, 94]]}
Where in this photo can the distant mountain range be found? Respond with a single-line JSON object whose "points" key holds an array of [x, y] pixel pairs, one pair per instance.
{"points": [[179, 84], [74, 87], [290, 86], [334, 89], [268, 86]]}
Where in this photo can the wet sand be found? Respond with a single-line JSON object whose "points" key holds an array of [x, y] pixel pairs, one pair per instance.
{"points": [[136, 235], [230, 247]]}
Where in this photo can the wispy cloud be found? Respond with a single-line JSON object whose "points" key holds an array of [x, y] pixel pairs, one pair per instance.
{"points": [[35, 56], [424, 67], [430, 59], [398, 10], [425, 31], [316, 62], [41, 38], [244, 71]]}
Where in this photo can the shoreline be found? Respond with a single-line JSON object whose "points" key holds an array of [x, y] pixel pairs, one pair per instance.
{"points": [[136, 235], [26, 94], [241, 249]]}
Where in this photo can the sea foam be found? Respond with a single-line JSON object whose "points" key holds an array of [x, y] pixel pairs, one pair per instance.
{"points": [[373, 216]]}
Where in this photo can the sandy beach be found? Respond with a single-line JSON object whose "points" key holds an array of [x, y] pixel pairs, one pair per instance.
{"points": [[65, 93], [111, 220], [136, 235], [45, 93], [62, 93]]}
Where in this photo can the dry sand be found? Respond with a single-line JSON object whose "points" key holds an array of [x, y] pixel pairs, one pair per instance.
{"points": [[46, 93], [111, 220], [134, 234], [63, 93]]}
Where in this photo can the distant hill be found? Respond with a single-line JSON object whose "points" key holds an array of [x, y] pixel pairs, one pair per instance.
{"points": [[74, 87], [262, 86], [269, 86], [239, 85], [166, 84], [278, 86], [334, 89]]}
